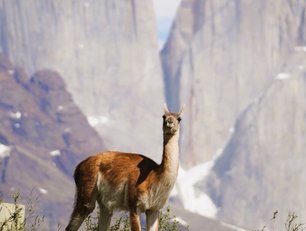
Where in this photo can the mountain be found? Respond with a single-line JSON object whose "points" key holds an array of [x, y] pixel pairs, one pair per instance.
{"points": [[219, 57], [107, 53], [238, 65], [262, 168], [43, 135]]}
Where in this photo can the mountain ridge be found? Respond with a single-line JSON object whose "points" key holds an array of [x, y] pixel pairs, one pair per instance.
{"points": [[270, 154], [43, 135]]}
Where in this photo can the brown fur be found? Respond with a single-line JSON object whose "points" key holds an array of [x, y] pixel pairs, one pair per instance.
{"points": [[127, 181]]}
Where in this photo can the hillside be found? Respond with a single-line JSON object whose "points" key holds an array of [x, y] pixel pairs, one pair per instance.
{"points": [[262, 168], [43, 135]]}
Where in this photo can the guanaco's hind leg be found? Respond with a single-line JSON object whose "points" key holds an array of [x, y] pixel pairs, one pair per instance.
{"points": [[152, 220], [85, 177], [80, 212], [82, 208], [104, 218]]}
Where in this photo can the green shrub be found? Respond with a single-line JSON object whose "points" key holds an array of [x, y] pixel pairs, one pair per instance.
{"points": [[15, 216], [31, 222], [167, 222]]}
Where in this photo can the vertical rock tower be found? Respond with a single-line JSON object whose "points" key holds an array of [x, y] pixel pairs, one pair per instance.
{"points": [[106, 51], [222, 54]]}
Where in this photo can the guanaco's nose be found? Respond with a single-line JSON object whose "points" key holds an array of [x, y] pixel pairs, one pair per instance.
{"points": [[170, 124]]}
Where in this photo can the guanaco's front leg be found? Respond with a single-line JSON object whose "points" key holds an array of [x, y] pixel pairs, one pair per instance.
{"points": [[135, 220], [152, 220]]}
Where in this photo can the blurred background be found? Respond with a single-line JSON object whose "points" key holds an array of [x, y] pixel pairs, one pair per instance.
{"points": [[82, 76]]}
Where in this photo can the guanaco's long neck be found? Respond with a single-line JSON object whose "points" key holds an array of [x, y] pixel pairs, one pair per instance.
{"points": [[170, 161]]}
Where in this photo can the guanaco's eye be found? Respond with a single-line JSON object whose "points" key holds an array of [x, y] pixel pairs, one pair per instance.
{"points": [[164, 117], [179, 119]]}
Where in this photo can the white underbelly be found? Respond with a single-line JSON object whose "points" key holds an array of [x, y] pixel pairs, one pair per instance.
{"points": [[112, 198], [116, 197], [156, 198]]}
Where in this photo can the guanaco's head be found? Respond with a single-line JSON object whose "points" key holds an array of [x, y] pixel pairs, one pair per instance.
{"points": [[171, 123]]}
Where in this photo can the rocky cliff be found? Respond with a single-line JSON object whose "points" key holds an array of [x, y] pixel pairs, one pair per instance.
{"points": [[219, 57], [107, 53], [262, 168], [43, 135], [228, 60]]}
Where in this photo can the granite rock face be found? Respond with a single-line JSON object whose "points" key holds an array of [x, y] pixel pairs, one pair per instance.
{"points": [[107, 53], [262, 168], [43, 135], [240, 68], [219, 57]]}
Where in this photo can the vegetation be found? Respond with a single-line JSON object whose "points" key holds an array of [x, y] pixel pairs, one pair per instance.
{"points": [[167, 222], [34, 222], [31, 222], [291, 224], [14, 217]]}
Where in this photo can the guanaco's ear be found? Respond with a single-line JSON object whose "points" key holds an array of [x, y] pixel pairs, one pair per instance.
{"points": [[166, 110], [182, 109]]}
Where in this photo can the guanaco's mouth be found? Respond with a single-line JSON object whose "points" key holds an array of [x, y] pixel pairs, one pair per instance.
{"points": [[171, 131]]}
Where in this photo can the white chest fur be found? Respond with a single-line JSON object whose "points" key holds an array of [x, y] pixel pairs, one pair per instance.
{"points": [[157, 195]]}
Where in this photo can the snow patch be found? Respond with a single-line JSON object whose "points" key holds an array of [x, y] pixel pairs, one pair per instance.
{"points": [[96, 120], [205, 206], [181, 221], [59, 108], [42, 191], [81, 45], [186, 189], [16, 115], [5, 151], [219, 152], [86, 4], [193, 200], [283, 76], [67, 130], [55, 152], [300, 48], [233, 227], [17, 125], [11, 72]]}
